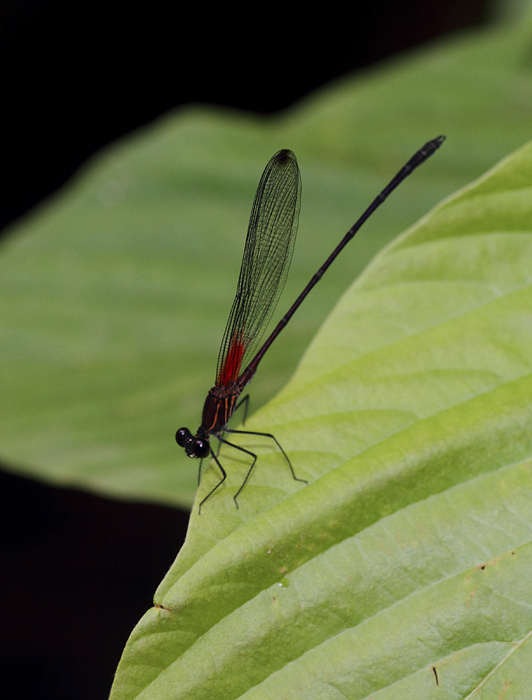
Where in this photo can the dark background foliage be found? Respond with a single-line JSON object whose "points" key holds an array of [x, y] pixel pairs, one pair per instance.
{"points": [[79, 570]]}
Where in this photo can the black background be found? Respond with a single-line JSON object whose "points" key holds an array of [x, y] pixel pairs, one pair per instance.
{"points": [[78, 571]]}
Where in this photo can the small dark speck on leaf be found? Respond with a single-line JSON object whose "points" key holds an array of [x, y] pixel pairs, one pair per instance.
{"points": [[436, 676]]}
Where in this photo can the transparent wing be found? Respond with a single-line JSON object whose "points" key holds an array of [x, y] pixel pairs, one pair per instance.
{"points": [[267, 256]]}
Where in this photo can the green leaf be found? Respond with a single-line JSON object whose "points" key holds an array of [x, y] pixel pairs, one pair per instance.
{"points": [[116, 291], [404, 568]]}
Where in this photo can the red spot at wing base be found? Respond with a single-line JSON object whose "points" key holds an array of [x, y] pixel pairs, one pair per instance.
{"points": [[231, 367]]}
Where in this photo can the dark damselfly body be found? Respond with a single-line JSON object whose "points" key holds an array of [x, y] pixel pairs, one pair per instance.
{"points": [[267, 256]]}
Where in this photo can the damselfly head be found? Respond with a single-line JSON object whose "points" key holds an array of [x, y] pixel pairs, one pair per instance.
{"points": [[193, 445]]}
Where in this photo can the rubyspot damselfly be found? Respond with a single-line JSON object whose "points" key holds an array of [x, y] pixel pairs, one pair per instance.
{"points": [[267, 255]]}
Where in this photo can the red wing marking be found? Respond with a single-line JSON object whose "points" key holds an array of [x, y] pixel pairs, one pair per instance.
{"points": [[230, 369]]}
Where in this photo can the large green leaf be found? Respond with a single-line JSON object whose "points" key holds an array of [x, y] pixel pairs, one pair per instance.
{"points": [[404, 568], [115, 292]]}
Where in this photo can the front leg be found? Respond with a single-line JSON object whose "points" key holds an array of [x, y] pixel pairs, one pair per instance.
{"points": [[224, 476], [242, 449]]}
